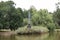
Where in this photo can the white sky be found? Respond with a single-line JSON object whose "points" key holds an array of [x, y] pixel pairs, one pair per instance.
{"points": [[39, 4]]}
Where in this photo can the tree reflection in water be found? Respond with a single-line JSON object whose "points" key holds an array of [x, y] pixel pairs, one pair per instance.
{"points": [[48, 36]]}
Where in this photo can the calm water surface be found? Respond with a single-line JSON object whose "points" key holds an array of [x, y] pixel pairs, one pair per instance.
{"points": [[48, 36]]}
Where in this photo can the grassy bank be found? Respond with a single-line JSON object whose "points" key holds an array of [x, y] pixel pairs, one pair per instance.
{"points": [[34, 29], [57, 30], [25, 30], [5, 30]]}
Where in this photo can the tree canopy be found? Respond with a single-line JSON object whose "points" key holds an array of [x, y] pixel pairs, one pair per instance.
{"points": [[10, 17]]}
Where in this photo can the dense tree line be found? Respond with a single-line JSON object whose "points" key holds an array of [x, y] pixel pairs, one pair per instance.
{"points": [[12, 18]]}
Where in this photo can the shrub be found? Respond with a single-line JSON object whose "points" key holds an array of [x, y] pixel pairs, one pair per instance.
{"points": [[51, 26]]}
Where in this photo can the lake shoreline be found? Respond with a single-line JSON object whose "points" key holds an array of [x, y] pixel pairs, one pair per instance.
{"points": [[7, 33], [25, 33]]}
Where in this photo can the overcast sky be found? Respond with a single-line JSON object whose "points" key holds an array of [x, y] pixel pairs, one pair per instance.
{"points": [[39, 4]]}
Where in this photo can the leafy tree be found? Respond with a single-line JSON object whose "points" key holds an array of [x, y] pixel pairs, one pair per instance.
{"points": [[42, 17], [56, 15], [10, 17]]}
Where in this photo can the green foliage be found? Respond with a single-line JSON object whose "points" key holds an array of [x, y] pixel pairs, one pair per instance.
{"points": [[25, 21], [32, 30], [51, 26], [10, 17], [25, 13], [56, 16], [41, 17]]}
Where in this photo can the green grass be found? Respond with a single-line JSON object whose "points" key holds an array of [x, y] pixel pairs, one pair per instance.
{"points": [[57, 30], [33, 29], [4, 30]]}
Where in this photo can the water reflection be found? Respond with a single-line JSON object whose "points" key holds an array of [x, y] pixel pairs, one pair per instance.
{"points": [[48, 36], [32, 37], [54, 36], [10, 37]]}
